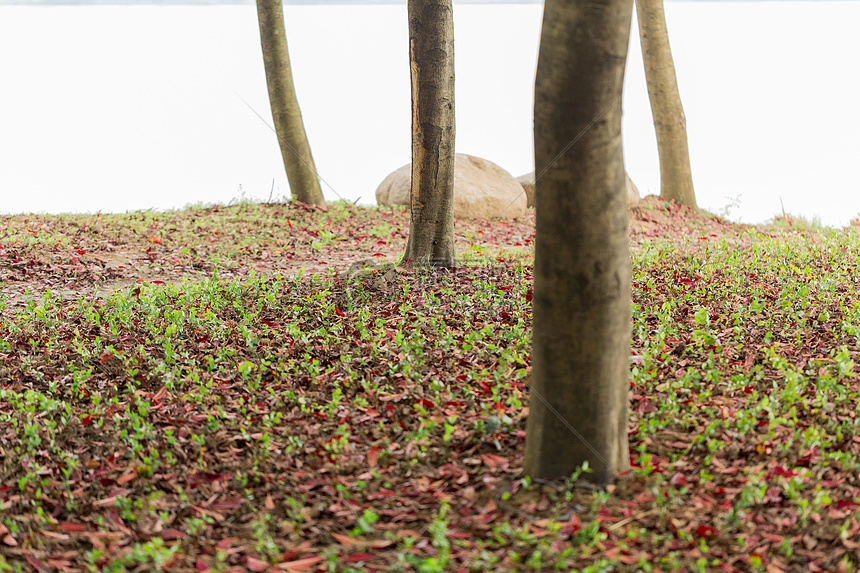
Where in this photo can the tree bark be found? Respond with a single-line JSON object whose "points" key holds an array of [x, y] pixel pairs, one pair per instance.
{"points": [[581, 337], [670, 124], [295, 149], [431, 62]]}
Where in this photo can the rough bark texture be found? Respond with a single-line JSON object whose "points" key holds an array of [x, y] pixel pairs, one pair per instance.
{"points": [[580, 357], [298, 161], [431, 59], [676, 179]]}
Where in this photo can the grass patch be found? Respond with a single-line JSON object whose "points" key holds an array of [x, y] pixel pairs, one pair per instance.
{"points": [[376, 419]]}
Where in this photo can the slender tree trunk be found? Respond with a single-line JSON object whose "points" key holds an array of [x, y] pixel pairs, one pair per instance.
{"points": [[676, 179], [581, 341], [295, 149], [431, 60]]}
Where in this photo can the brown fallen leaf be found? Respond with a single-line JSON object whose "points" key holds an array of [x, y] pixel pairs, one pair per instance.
{"points": [[364, 543]]}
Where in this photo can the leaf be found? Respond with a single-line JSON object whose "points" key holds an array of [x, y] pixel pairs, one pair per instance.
{"points": [[130, 476], [705, 531], [363, 543], [156, 240], [72, 527], [172, 534], [255, 564], [38, 565], [356, 558], [301, 564]]}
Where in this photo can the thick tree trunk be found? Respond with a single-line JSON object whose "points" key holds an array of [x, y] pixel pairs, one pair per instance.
{"points": [[581, 341], [431, 60], [295, 149], [676, 179]]}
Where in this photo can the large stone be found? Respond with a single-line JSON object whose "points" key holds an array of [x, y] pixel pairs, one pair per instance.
{"points": [[482, 189], [632, 193], [527, 181]]}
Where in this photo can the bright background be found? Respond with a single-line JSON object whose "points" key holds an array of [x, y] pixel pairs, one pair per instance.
{"points": [[114, 108]]}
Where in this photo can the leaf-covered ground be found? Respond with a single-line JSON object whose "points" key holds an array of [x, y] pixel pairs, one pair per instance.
{"points": [[174, 395]]}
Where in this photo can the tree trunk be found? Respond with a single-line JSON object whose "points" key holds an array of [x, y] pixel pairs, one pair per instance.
{"points": [[431, 61], [676, 179], [295, 149], [581, 341]]}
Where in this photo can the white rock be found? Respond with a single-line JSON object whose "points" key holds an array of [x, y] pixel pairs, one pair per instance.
{"points": [[527, 181], [482, 189]]}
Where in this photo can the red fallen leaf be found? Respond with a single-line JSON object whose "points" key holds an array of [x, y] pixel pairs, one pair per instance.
{"points": [[646, 406], [356, 557], [38, 565], [130, 476], [678, 480], [426, 402], [172, 535], [685, 281], [378, 255], [71, 527], [105, 356], [380, 242], [156, 282], [459, 535], [300, 564], [156, 240], [373, 456], [86, 420], [781, 471], [339, 312], [289, 555], [200, 565], [225, 543], [255, 564], [529, 295], [290, 224], [705, 531], [80, 251], [845, 503], [494, 461]]}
